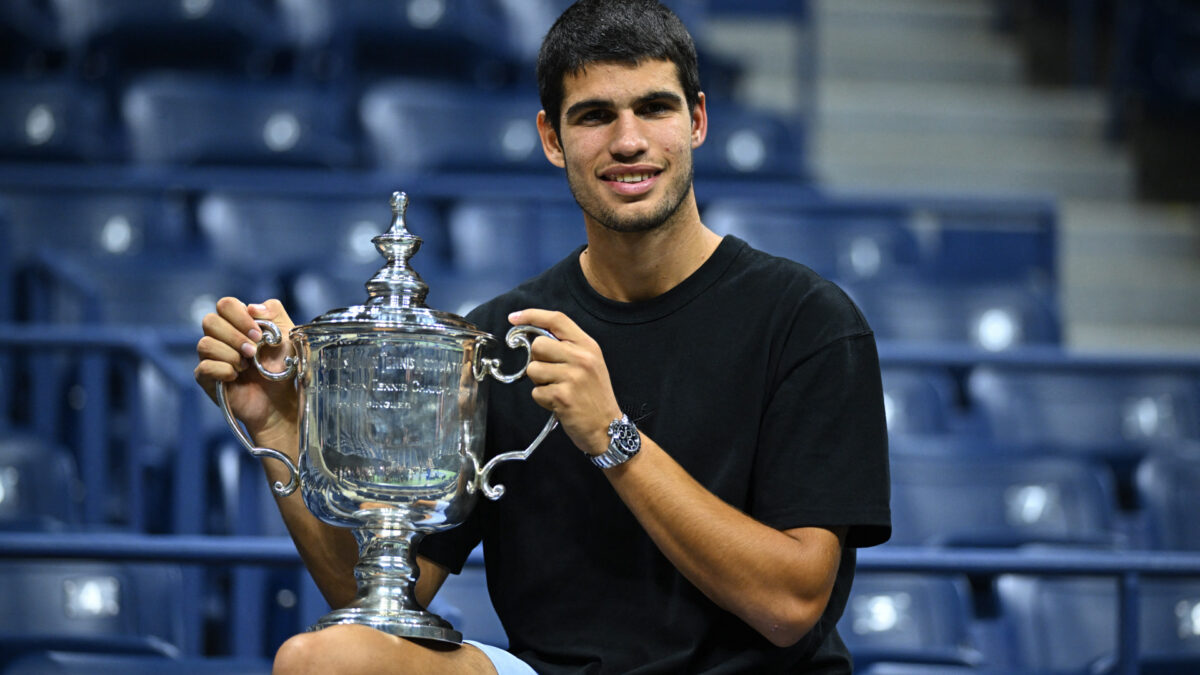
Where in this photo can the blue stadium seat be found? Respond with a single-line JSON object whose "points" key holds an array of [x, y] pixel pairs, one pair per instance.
{"points": [[117, 39], [39, 484], [961, 499], [993, 317], [752, 143], [93, 606], [521, 237], [283, 235], [1167, 486], [907, 617], [414, 125], [53, 120], [178, 119], [53, 662], [919, 400], [1070, 624], [842, 247], [468, 41], [107, 226], [172, 292], [1091, 410]]}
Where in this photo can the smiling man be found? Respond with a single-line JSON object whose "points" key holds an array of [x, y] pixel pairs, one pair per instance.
{"points": [[723, 449]]}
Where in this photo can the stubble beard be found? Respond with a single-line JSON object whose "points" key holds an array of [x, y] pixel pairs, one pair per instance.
{"points": [[610, 219]]}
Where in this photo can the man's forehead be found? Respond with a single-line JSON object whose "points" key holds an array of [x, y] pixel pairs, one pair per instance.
{"points": [[617, 80]]}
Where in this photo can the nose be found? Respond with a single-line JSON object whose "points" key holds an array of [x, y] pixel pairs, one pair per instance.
{"points": [[629, 139]]}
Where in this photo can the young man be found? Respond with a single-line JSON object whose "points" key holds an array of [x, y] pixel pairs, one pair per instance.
{"points": [[723, 450]]}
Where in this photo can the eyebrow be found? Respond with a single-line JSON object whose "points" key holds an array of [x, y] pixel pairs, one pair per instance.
{"points": [[664, 95]]}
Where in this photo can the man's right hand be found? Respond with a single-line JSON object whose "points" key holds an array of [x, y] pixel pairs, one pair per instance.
{"points": [[268, 409]]}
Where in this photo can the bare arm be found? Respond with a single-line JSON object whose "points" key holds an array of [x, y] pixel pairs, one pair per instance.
{"points": [[778, 582], [270, 414]]}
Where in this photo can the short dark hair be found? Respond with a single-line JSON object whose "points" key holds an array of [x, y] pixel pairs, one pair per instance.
{"points": [[621, 31]]}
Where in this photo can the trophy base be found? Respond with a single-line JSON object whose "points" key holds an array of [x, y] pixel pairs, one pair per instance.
{"points": [[413, 624]]}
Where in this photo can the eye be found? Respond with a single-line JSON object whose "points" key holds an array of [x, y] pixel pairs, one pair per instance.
{"points": [[657, 108], [596, 116]]}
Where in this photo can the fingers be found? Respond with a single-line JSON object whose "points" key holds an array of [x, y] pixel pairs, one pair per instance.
{"points": [[231, 336], [557, 323]]}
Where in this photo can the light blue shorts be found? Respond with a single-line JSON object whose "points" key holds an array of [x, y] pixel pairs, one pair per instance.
{"points": [[504, 662]]}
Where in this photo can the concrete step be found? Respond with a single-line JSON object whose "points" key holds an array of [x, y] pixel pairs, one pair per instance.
{"points": [[948, 160], [1130, 275], [909, 40], [853, 105]]}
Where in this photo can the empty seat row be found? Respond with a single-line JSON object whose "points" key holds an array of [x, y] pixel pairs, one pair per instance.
{"points": [[905, 623], [173, 119]]}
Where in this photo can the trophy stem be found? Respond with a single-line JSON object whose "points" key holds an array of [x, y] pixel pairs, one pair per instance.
{"points": [[387, 579]]}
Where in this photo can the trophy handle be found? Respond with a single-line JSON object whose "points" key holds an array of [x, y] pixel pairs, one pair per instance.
{"points": [[271, 336], [518, 336]]}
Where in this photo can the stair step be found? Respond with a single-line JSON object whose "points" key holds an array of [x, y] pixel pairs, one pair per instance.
{"points": [[853, 105]]}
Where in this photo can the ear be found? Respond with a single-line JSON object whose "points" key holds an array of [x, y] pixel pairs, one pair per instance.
{"points": [[551, 144], [699, 122]]}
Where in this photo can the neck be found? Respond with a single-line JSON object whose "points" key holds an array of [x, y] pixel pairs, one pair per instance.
{"points": [[632, 266]]}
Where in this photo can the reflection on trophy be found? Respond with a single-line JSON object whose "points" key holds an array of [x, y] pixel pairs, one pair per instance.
{"points": [[392, 421]]}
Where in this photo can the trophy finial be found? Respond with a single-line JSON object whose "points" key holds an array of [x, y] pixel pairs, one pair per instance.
{"points": [[399, 208], [397, 283]]}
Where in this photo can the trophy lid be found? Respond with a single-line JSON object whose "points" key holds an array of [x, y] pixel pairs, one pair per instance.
{"points": [[396, 294]]}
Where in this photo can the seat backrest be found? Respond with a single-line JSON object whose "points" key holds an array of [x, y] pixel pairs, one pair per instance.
{"points": [[908, 617], [1070, 624], [47, 119], [1086, 407], [918, 400], [999, 500], [413, 125], [97, 601], [1167, 486], [285, 234], [184, 119], [39, 484], [986, 316], [839, 246]]}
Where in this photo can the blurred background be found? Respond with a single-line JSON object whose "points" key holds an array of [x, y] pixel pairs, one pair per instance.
{"points": [[1009, 189]]}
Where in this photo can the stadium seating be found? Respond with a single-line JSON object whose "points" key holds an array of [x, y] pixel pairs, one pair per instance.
{"points": [[412, 124], [100, 606], [993, 499], [909, 618], [1069, 624], [1102, 411], [53, 120], [1167, 481], [988, 317], [180, 119], [39, 484], [919, 400]]}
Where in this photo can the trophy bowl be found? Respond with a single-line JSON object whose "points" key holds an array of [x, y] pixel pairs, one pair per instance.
{"points": [[392, 422]]}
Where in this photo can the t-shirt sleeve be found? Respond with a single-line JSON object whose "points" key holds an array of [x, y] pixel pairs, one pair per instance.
{"points": [[823, 459]]}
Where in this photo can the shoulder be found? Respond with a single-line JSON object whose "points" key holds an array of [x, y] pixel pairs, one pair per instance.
{"points": [[797, 295]]}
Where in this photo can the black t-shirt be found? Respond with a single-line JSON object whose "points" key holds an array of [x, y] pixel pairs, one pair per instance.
{"points": [[762, 380]]}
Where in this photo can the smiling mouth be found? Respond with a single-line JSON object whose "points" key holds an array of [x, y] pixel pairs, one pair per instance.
{"points": [[632, 177]]}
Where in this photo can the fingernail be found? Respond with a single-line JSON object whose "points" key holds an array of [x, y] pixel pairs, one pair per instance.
{"points": [[248, 349], [515, 317], [257, 308], [254, 334]]}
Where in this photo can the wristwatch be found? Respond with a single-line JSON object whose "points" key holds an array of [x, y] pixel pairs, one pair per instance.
{"points": [[624, 441]]}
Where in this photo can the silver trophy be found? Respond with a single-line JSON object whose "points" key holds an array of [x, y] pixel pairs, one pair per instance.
{"points": [[392, 421]]}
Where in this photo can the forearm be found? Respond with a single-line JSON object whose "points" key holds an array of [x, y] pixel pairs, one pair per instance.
{"points": [[329, 553], [777, 582]]}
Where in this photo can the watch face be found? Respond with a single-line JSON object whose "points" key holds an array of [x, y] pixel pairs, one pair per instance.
{"points": [[625, 437]]}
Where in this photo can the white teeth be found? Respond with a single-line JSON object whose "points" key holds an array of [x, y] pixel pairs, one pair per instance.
{"points": [[632, 177]]}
